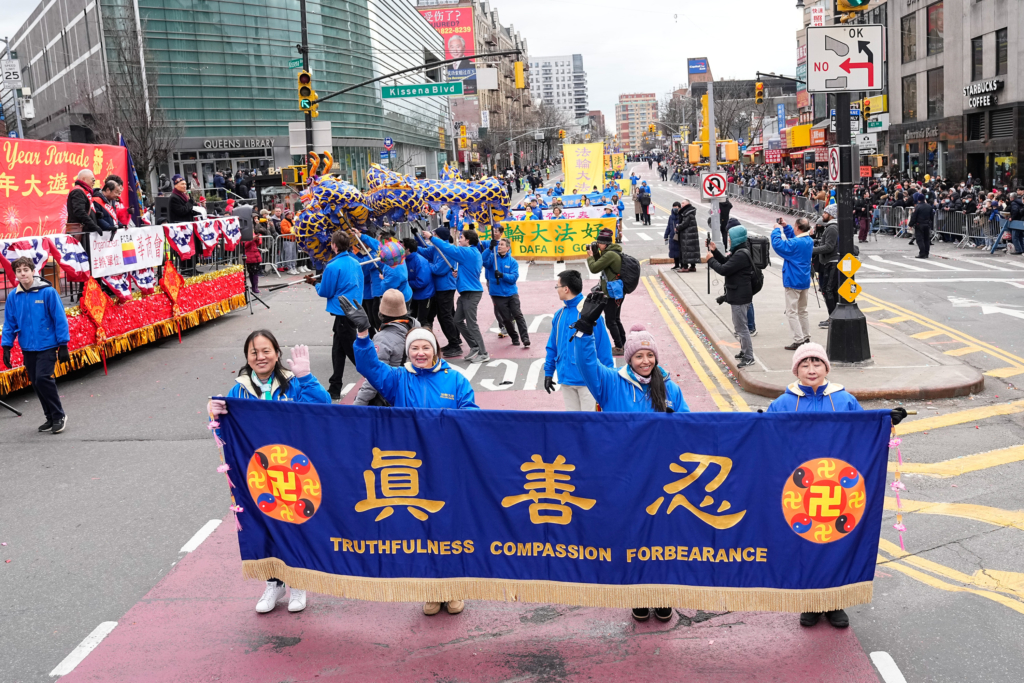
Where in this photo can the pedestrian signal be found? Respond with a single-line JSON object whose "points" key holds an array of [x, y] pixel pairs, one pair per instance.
{"points": [[759, 93], [306, 94], [561, 134], [520, 75]]}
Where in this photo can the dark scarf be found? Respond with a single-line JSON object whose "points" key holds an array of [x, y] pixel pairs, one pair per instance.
{"points": [[181, 194]]}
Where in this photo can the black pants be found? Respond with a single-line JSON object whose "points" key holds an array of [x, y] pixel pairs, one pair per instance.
{"points": [[423, 310], [39, 365], [372, 308], [254, 276], [924, 240], [444, 309], [828, 281], [612, 313], [678, 262], [341, 348], [510, 315]]}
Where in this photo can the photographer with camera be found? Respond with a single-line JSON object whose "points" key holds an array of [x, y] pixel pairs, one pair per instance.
{"points": [[737, 268], [796, 249], [605, 257]]}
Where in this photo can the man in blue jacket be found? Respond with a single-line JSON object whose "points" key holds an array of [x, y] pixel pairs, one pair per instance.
{"points": [[467, 281], [560, 356], [341, 276], [421, 280], [797, 250], [34, 315], [443, 303], [502, 274], [558, 191]]}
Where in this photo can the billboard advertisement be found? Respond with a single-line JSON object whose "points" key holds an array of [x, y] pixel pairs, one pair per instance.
{"points": [[455, 24], [697, 65]]}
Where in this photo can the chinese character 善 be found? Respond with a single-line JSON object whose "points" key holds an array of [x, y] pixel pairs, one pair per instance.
{"points": [[546, 481]]}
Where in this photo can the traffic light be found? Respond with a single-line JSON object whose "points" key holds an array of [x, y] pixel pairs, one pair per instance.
{"points": [[866, 109], [306, 94], [651, 128], [520, 75], [561, 134], [759, 93]]}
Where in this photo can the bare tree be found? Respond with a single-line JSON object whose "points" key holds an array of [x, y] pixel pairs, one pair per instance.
{"points": [[732, 109], [549, 120], [123, 106]]}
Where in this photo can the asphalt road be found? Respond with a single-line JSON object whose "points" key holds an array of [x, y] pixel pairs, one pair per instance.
{"points": [[95, 517]]}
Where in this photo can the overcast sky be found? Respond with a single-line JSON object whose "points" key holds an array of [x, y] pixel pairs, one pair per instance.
{"points": [[632, 46]]}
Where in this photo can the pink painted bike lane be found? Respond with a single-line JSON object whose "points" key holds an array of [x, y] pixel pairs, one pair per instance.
{"points": [[198, 623]]}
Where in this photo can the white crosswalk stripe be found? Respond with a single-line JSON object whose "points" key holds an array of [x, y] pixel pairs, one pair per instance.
{"points": [[644, 236]]}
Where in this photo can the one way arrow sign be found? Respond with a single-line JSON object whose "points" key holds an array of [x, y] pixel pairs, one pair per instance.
{"points": [[843, 58]]}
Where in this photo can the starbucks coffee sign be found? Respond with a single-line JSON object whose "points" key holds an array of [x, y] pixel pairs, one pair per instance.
{"points": [[982, 94]]}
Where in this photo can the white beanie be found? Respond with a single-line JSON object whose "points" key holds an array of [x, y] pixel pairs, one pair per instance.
{"points": [[420, 334]]}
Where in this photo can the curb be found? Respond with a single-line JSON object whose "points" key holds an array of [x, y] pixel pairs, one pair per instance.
{"points": [[760, 388]]}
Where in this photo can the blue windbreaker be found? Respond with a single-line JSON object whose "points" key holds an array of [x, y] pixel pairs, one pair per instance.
{"points": [[828, 397], [410, 387], [421, 280], [470, 265], [558, 191], [397, 277], [509, 269], [796, 270], [536, 213], [300, 389], [618, 391], [35, 317], [342, 276], [560, 353], [367, 282]]}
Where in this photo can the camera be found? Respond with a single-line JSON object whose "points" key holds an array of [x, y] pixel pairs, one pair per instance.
{"points": [[720, 300]]}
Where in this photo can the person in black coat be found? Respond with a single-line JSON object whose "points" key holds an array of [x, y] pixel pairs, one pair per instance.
{"points": [[737, 268], [724, 209], [670, 237], [688, 235], [921, 221], [180, 209]]}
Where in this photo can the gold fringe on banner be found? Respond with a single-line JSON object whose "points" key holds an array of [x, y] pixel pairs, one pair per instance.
{"points": [[582, 594], [13, 380]]}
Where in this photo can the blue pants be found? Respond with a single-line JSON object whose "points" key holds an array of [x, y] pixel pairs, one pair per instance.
{"points": [[750, 317]]}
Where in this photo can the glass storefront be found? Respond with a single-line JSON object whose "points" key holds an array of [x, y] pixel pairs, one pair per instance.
{"points": [[229, 162], [1004, 168]]}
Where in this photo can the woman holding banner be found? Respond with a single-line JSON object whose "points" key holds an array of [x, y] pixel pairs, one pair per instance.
{"points": [[264, 378], [640, 386], [425, 381]]}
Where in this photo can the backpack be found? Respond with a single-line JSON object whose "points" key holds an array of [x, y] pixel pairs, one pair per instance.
{"points": [[629, 273], [760, 251]]}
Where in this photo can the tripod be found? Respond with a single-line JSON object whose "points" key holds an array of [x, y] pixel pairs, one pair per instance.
{"points": [[249, 296], [10, 408]]}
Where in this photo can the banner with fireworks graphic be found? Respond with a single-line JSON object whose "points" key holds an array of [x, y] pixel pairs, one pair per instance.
{"points": [[36, 175]]}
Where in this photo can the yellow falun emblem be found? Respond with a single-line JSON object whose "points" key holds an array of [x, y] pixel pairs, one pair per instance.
{"points": [[283, 483], [824, 500]]}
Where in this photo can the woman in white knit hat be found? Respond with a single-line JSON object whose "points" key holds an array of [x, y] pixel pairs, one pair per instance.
{"points": [[813, 393]]}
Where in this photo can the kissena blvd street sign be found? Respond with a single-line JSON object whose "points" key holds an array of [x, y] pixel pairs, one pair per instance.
{"points": [[425, 90], [845, 58]]}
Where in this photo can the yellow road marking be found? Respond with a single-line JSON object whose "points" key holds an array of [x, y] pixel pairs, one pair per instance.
{"points": [[963, 351], [969, 463], [927, 334], [959, 417], [978, 513], [952, 332], [723, 381], [1005, 582], [1003, 373], [871, 309], [708, 383], [930, 580], [896, 319]]}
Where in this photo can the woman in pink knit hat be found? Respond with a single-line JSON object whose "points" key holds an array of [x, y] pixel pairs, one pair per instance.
{"points": [[813, 393]]}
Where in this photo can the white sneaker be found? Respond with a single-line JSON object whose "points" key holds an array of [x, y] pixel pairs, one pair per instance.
{"points": [[304, 269], [271, 595], [297, 600], [293, 272]]}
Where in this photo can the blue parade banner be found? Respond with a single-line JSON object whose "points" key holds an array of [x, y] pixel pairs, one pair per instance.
{"points": [[715, 511]]}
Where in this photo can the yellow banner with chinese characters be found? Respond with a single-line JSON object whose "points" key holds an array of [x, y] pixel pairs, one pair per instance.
{"points": [[584, 168], [554, 240], [618, 162]]}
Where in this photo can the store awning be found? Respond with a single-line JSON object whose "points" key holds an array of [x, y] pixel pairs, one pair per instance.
{"points": [[752, 150]]}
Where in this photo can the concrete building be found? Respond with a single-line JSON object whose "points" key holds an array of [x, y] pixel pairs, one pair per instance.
{"points": [[633, 113], [561, 82], [957, 97], [222, 75], [597, 129]]}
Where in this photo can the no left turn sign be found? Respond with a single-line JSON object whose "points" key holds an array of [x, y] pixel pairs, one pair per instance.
{"points": [[712, 185], [833, 164]]}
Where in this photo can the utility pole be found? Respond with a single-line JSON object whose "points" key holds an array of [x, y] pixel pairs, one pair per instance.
{"points": [[14, 94], [304, 49], [713, 152]]}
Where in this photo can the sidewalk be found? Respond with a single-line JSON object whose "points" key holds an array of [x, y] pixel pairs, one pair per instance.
{"points": [[901, 367]]}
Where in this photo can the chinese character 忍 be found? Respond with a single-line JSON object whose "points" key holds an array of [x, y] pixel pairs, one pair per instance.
{"points": [[718, 521]]}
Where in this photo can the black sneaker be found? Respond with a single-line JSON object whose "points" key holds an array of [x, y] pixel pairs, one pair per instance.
{"points": [[46, 426], [824, 324], [744, 362], [60, 424], [738, 355], [452, 352], [838, 618], [641, 613], [662, 613], [526, 343], [809, 618], [335, 393], [515, 342]]}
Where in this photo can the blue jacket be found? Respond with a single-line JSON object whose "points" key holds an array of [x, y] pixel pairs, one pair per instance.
{"points": [[644, 189], [828, 397], [509, 269], [410, 387], [536, 213], [396, 277], [796, 271], [558, 191], [342, 276], [421, 280], [367, 281], [618, 391], [300, 389], [35, 317], [470, 265], [561, 355]]}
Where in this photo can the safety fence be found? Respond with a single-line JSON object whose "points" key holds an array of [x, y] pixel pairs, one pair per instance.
{"points": [[966, 229]]}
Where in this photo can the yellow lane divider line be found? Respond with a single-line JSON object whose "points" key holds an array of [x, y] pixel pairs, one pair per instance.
{"points": [[942, 570], [1016, 361], [927, 334], [968, 463], [977, 513], [964, 350], [1004, 582], [723, 381], [708, 383], [959, 417]]}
